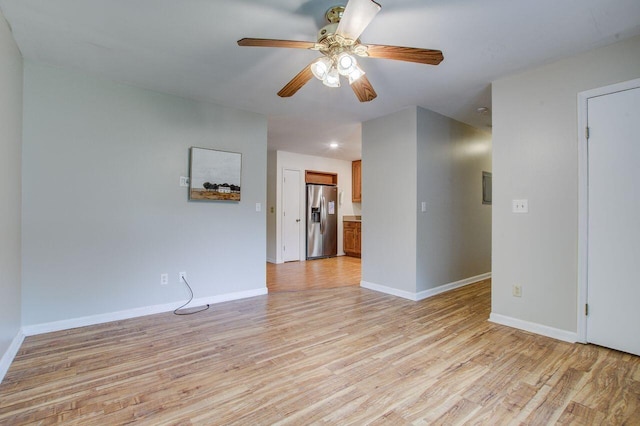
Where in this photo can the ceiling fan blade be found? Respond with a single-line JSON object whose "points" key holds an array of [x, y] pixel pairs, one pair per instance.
{"points": [[409, 54], [357, 15], [268, 42], [363, 89], [296, 82]]}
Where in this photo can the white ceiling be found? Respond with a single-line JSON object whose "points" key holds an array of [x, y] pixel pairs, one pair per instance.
{"points": [[188, 48]]}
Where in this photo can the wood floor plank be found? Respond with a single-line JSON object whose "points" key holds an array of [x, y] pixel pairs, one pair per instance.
{"points": [[341, 355], [340, 271]]}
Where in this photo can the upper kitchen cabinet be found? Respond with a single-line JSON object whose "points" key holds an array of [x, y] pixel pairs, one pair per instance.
{"points": [[356, 181]]}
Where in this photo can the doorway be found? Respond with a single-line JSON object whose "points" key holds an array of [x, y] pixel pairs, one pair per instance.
{"points": [[609, 229]]}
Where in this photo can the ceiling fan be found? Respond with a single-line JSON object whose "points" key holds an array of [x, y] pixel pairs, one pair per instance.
{"points": [[339, 43]]}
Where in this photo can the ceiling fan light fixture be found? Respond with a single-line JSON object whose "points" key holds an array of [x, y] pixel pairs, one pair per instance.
{"points": [[346, 63], [320, 68], [332, 79], [355, 74]]}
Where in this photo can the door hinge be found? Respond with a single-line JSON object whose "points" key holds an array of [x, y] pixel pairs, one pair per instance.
{"points": [[586, 132], [586, 309]]}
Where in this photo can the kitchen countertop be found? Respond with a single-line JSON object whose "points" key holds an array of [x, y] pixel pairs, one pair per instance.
{"points": [[352, 218]]}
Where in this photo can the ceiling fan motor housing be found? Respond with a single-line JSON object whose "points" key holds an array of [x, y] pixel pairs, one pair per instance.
{"points": [[327, 31]]}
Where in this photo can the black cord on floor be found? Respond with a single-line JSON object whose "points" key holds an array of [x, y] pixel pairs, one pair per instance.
{"points": [[189, 301]]}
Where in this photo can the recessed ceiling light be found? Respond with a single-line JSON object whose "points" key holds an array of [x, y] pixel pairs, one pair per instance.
{"points": [[483, 111], [333, 145]]}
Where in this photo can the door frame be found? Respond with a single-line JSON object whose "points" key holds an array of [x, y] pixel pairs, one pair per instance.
{"points": [[583, 196]]}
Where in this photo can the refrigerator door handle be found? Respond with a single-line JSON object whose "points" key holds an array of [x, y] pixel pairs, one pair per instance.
{"points": [[323, 214]]}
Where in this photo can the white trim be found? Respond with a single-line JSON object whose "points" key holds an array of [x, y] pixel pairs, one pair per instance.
{"points": [[451, 286], [583, 197], [10, 354], [583, 222], [30, 330], [388, 290], [425, 293], [272, 260], [532, 327]]}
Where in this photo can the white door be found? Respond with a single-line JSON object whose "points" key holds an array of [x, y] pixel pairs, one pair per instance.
{"points": [[290, 215], [613, 289]]}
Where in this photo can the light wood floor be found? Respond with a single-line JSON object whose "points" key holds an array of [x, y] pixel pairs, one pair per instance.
{"points": [[339, 356], [331, 272]]}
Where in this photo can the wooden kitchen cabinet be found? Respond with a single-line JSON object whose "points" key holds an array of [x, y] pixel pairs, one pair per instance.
{"points": [[351, 239], [320, 178], [356, 181]]}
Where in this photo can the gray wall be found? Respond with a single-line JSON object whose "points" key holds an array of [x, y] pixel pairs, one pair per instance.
{"points": [[535, 156], [412, 156], [103, 213], [10, 186], [389, 179], [454, 234], [272, 203]]}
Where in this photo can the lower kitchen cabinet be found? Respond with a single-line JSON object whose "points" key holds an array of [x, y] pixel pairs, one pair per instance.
{"points": [[351, 240]]}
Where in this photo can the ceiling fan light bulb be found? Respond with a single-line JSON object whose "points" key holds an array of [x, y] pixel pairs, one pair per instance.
{"points": [[332, 79], [355, 74], [346, 64], [320, 68]]}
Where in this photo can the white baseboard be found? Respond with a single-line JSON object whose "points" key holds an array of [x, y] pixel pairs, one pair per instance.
{"points": [[388, 290], [271, 260], [10, 354], [425, 293], [451, 286], [30, 330], [543, 330]]}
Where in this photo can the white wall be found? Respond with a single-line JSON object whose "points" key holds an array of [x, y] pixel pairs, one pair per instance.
{"points": [[535, 156], [289, 160], [10, 190], [103, 213], [454, 234], [412, 156]]}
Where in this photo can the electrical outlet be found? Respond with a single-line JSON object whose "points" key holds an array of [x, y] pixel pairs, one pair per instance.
{"points": [[164, 279], [182, 276], [520, 206], [517, 290]]}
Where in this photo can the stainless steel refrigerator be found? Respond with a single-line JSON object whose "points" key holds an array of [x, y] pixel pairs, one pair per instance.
{"points": [[322, 221]]}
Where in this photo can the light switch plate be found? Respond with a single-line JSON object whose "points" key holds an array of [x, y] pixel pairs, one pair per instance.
{"points": [[184, 181], [258, 207]]}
